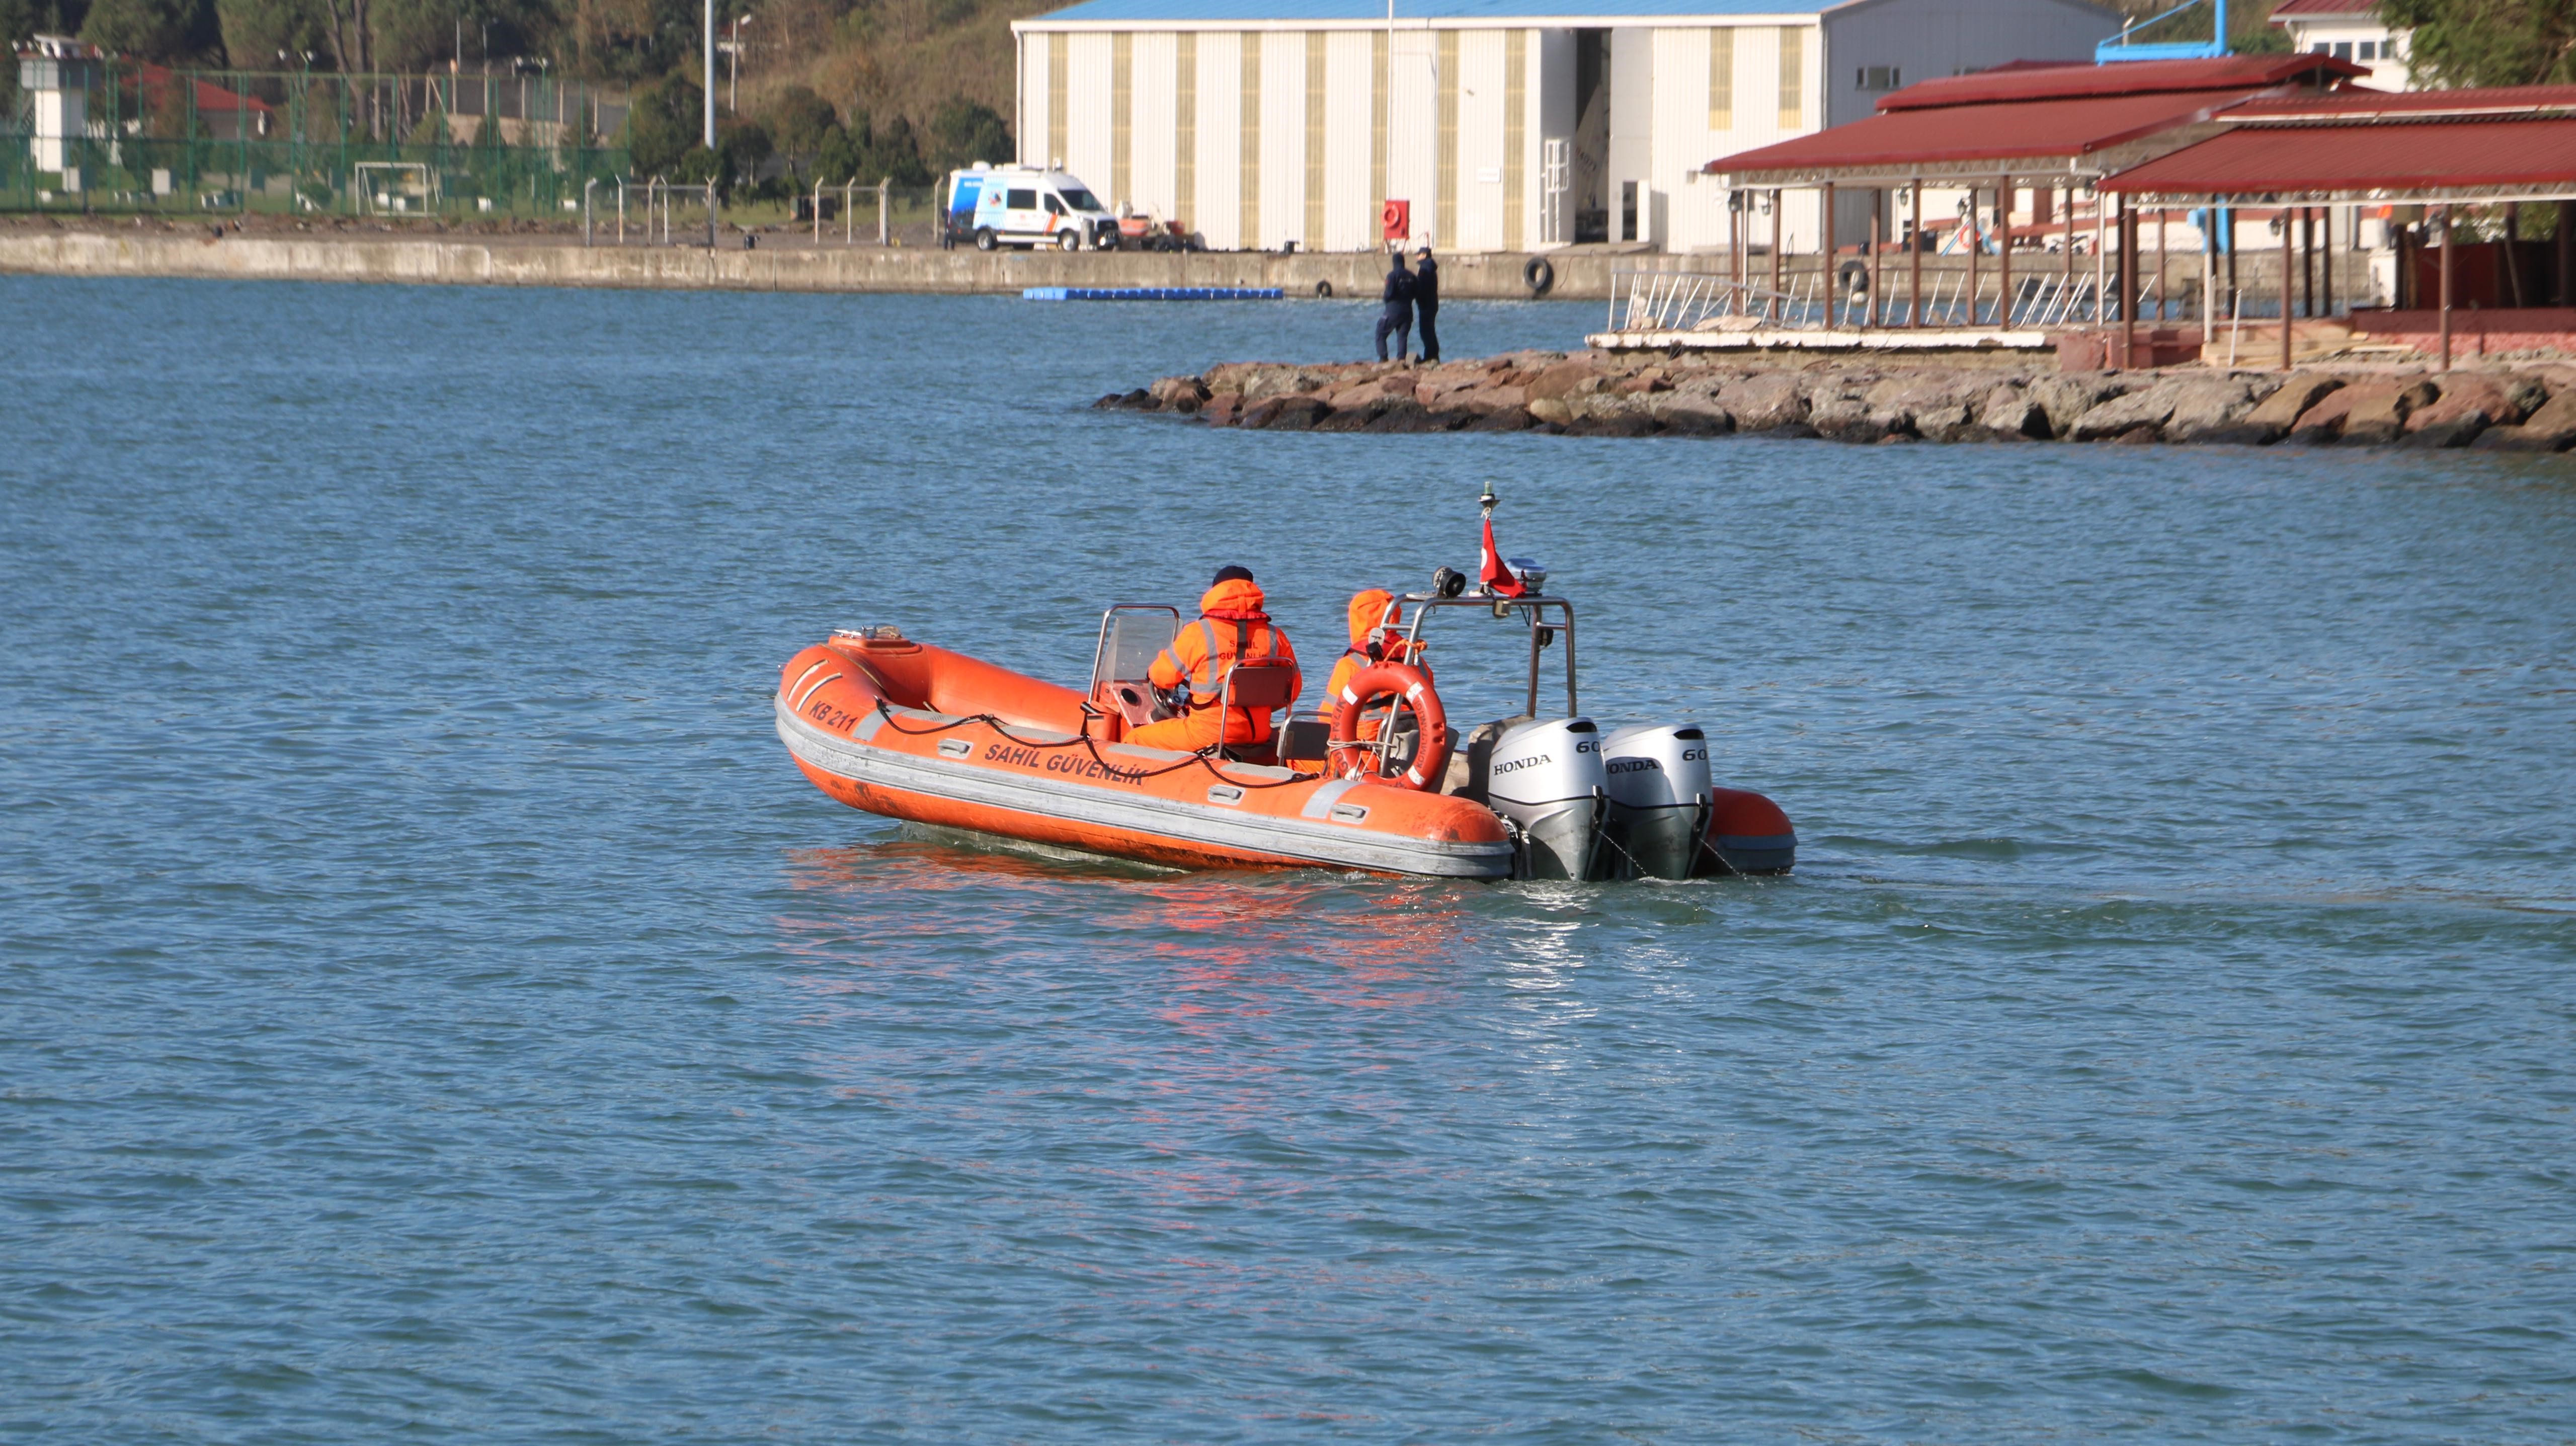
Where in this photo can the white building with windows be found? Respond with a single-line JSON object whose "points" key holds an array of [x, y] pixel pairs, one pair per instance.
{"points": [[2348, 30], [1506, 125]]}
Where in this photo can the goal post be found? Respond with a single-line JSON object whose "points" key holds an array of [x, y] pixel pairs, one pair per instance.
{"points": [[395, 187]]}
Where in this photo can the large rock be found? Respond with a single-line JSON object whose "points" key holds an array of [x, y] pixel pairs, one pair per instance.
{"points": [[2377, 415], [2121, 416], [2529, 437], [2552, 428], [2008, 414], [2324, 421], [2066, 397], [2468, 406], [1692, 413], [1286, 414], [1898, 403], [1565, 379], [2214, 409], [1763, 402], [2279, 412], [1551, 410], [1841, 410]]}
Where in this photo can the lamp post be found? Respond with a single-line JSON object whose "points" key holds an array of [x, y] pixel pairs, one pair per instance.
{"points": [[709, 75]]}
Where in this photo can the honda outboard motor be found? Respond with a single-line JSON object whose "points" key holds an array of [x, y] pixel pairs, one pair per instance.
{"points": [[1547, 778], [1659, 797]]}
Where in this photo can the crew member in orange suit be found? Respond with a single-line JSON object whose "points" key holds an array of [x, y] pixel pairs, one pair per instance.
{"points": [[1231, 627], [1377, 636]]}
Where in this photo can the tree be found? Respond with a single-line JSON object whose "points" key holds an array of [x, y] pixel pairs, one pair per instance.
{"points": [[663, 124], [153, 29], [255, 31], [799, 120], [2488, 42], [963, 132]]}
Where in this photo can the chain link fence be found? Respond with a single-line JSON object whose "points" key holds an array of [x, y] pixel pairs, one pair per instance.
{"points": [[149, 139]]}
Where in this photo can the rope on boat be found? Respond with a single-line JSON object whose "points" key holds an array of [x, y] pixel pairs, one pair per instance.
{"points": [[1085, 742]]}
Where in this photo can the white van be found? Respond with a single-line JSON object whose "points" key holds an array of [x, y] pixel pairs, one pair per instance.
{"points": [[1023, 206]]}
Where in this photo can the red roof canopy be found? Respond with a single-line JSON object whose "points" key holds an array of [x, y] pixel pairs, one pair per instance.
{"points": [[2030, 120], [2296, 9], [2513, 143], [2023, 82]]}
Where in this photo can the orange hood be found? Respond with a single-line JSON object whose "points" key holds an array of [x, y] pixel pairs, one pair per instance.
{"points": [[1233, 598], [1368, 605]]}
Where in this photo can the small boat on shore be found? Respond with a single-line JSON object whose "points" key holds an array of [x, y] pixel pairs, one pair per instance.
{"points": [[898, 727]]}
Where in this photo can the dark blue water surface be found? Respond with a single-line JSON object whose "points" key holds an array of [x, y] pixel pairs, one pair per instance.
{"points": [[432, 1007]]}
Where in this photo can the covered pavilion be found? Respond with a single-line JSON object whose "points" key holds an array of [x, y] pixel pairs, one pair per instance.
{"points": [[2444, 149], [2053, 129]]}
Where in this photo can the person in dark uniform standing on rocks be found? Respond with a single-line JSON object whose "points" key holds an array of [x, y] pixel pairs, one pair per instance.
{"points": [[1426, 299], [1396, 314]]}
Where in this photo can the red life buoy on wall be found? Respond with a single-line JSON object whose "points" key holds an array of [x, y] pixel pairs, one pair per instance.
{"points": [[1375, 683]]}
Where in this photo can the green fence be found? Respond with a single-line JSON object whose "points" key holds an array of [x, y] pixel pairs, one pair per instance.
{"points": [[213, 142]]}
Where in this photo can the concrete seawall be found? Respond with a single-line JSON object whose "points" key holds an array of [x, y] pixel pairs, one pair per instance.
{"points": [[457, 261]]}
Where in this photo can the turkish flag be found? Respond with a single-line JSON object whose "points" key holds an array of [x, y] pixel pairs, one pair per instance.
{"points": [[1497, 579]]}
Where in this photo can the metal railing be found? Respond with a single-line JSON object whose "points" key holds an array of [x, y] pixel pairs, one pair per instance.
{"points": [[1675, 301]]}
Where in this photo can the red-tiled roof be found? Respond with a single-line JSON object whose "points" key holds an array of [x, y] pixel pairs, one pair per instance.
{"points": [[210, 96], [2359, 103], [1965, 133], [2067, 115], [2020, 82], [2304, 9], [2343, 158]]}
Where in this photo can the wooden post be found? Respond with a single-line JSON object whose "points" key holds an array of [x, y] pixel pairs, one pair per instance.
{"points": [[2446, 288], [2307, 273], [1914, 261], [2128, 284], [1774, 303], [2209, 273], [2164, 223], [1825, 246], [2325, 235], [2512, 261], [2286, 242], [1877, 263], [1976, 248], [2066, 288], [2001, 231]]}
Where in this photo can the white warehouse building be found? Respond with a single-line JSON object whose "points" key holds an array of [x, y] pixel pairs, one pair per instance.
{"points": [[1507, 125]]}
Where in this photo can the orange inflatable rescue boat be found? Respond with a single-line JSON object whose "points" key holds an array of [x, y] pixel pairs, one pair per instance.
{"points": [[897, 727]]}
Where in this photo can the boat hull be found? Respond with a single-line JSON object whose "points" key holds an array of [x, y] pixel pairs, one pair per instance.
{"points": [[843, 713]]}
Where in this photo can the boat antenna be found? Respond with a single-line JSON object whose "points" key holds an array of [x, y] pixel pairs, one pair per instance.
{"points": [[1485, 504]]}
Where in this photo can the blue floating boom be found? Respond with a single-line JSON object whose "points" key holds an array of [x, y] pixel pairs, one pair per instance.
{"points": [[1150, 293]]}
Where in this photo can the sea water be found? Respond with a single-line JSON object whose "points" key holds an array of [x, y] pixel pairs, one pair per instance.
{"points": [[432, 1006]]}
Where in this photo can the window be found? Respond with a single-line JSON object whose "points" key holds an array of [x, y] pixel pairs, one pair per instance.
{"points": [[1793, 78], [2320, 48], [1023, 200], [1078, 199], [1721, 79], [2367, 50], [2343, 50], [1879, 77]]}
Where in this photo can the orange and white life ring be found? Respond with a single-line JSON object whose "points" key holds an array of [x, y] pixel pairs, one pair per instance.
{"points": [[1375, 683]]}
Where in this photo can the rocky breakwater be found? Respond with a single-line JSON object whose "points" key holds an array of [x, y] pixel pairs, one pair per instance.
{"points": [[1598, 394]]}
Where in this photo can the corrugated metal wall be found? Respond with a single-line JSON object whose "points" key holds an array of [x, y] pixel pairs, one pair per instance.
{"points": [[1479, 165], [1219, 213], [1153, 185], [1350, 84], [1088, 92]]}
